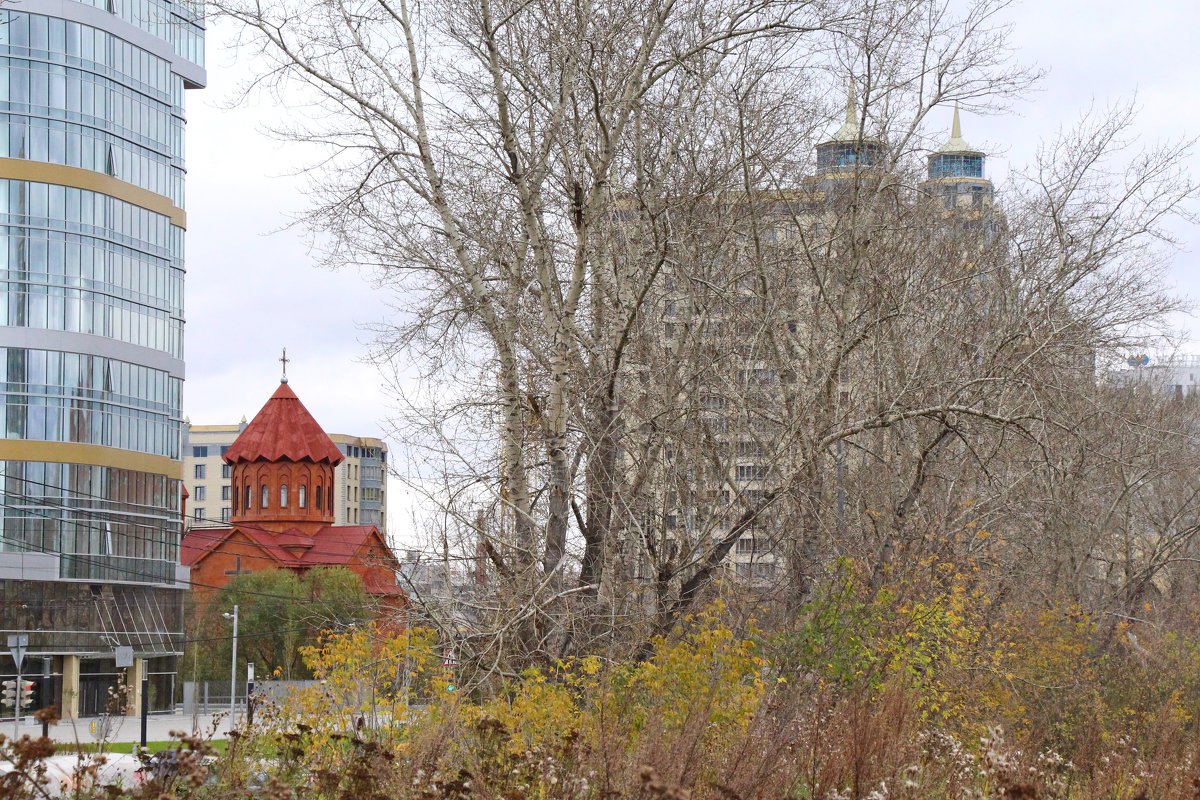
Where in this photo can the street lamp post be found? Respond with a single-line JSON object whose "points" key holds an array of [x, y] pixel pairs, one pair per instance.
{"points": [[233, 670]]}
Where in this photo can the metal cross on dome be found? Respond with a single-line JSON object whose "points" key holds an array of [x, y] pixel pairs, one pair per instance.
{"points": [[284, 360]]}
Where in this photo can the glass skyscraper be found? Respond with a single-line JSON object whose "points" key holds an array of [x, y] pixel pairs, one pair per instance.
{"points": [[91, 341]]}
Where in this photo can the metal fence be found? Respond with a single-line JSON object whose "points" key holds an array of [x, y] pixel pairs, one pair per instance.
{"points": [[206, 697]]}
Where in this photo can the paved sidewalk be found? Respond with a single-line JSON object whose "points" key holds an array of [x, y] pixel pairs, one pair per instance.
{"points": [[126, 729]]}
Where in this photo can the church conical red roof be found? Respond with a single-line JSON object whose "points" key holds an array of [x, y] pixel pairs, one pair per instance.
{"points": [[283, 431]]}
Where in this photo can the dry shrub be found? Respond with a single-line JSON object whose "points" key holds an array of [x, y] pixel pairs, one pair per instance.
{"points": [[707, 718]]}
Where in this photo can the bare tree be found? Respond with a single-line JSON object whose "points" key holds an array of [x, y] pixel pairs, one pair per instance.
{"points": [[650, 327]]}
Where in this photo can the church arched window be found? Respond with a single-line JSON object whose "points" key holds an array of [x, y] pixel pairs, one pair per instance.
{"points": [[318, 496], [266, 496], [302, 496], [283, 496], [329, 496], [249, 497]]}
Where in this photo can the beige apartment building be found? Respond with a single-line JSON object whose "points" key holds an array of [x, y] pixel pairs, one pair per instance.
{"points": [[736, 451], [360, 496]]}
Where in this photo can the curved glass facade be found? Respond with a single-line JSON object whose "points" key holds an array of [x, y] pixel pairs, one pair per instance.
{"points": [[86, 147], [76, 259], [103, 521], [176, 23], [69, 397], [80, 261], [91, 325], [81, 96]]}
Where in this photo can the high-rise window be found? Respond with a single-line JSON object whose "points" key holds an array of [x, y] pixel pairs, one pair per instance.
{"points": [[751, 472]]}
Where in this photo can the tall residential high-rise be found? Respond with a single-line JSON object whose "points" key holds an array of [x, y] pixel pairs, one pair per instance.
{"points": [[753, 327], [91, 341]]}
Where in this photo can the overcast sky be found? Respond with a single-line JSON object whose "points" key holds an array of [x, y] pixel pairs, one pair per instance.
{"points": [[252, 287]]}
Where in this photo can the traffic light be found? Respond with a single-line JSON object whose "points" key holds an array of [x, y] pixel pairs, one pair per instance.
{"points": [[9, 695], [26, 694]]}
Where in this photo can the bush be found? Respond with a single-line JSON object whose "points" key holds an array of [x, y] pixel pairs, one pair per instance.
{"points": [[940, 694]]}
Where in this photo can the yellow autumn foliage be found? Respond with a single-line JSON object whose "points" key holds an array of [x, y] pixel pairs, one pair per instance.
{"points": [[710, 678], [365, 676]]}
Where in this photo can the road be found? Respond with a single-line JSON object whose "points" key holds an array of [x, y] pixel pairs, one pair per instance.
{"points": [[126, 729]]}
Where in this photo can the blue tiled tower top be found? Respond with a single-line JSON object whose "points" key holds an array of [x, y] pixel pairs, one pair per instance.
{"points": [[956, 158]]}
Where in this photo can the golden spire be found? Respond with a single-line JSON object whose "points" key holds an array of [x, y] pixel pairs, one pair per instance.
{"points": [[956, 143], [850, 130]]}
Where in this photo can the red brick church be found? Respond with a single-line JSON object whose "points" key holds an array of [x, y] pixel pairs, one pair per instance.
{"points": [[282, 514]]}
